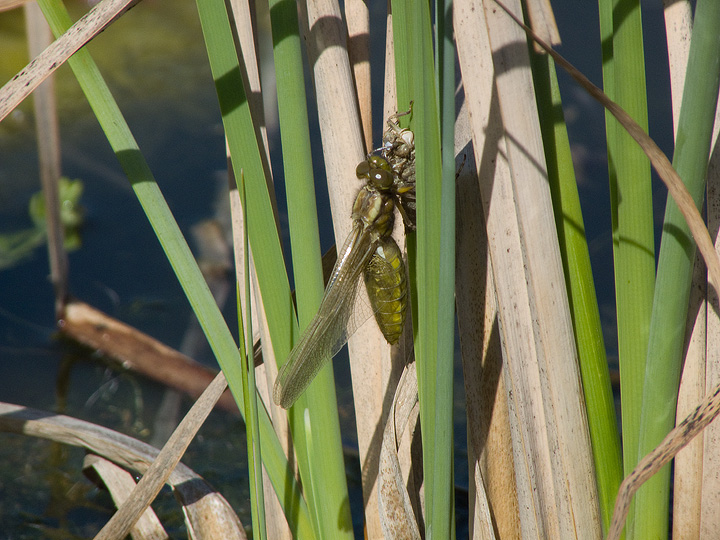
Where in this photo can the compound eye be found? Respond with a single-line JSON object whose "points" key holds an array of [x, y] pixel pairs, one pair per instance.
{"points": [[363, 170], [378, 162], [381, 179]]}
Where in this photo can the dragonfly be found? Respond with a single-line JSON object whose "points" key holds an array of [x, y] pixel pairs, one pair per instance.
{"points": [[369, 251]]}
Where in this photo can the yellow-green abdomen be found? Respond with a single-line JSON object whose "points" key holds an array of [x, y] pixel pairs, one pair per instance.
{"points": [[386, 285]]}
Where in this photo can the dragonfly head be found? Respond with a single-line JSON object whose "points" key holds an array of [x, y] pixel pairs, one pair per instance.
{"points": [[376, 172]]}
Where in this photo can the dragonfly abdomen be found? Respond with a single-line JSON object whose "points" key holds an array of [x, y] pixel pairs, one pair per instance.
{"points": [[386, 285]]}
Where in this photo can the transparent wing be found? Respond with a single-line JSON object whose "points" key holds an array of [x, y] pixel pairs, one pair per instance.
{"points": [[327, 332]]}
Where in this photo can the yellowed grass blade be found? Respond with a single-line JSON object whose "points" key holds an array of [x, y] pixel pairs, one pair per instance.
{"points": [[489, 440], [554, 470]]}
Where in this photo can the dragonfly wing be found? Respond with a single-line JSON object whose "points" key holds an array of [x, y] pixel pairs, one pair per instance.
{"points": [[327, 332]]}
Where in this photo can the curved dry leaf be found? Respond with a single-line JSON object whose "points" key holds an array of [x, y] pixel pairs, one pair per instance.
{"points": [[396, 514], [210, 516], [120, 484], [683, 433]]}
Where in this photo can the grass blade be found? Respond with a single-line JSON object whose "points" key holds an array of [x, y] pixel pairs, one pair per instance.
{"points": [[245, 332], [178, 253], [581, 289], [435, 261], [675, 262], [631, 205], [317, 408], [371, 363]]}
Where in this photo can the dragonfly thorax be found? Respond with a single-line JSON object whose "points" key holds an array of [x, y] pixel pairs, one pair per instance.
{"points": [[373, 210]]}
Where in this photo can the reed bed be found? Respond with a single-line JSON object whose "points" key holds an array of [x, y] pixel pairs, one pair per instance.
{"points": [[500, 247]]}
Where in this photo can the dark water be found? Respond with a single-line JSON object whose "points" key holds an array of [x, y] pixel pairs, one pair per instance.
{"points": [[156, 66], [155, 63]]}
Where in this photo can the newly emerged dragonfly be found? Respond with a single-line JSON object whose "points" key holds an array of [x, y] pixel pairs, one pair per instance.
{"points": [[369, 251]]}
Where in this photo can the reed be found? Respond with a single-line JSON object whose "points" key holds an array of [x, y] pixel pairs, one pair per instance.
{"points": [[501, 240]]}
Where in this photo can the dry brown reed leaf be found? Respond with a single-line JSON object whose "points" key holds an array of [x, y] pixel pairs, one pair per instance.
{"points": [[542, 20], [551, 447], [120, 484], [492, 486], [396, 511], [138, 351], [709, 409], [168, 458]]}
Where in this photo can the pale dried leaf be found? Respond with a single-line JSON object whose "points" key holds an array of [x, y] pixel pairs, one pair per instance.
{"points": [[542, 21], [357, 16], [551, 447], [710, 481], [206, 508], [658, 159], [120, 484], [687, 487], [482, 521], [688, 463], [91, 24], [678, 26], [489, 440]]}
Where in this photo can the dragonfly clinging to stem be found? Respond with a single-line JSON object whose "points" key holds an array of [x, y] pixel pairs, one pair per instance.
{"points": [[370, 251]]}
